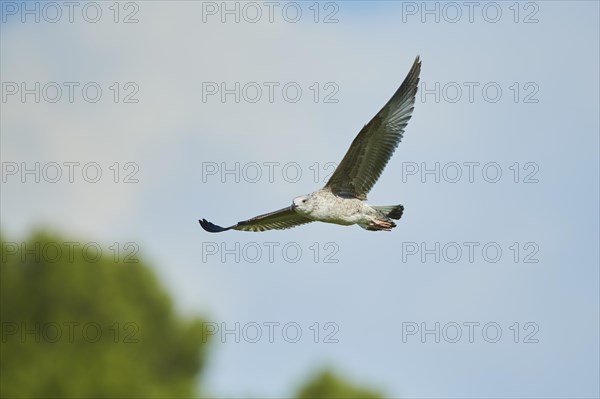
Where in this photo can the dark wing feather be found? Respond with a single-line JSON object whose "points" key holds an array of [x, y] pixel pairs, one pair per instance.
{"points": [[375, 144], [279, 220]]}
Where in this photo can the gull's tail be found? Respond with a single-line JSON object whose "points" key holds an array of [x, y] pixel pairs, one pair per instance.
{"points": [[383, 222], [390, 211]]}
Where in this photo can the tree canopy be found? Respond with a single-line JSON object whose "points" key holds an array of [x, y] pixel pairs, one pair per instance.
{"points": [[83, 321], [328, 385], [75, 324]]}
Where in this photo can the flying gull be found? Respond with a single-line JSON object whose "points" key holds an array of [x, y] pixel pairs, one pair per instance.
{"points": [[342, 200]]}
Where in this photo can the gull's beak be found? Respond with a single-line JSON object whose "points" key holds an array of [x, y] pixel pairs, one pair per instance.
{"points": [[294, 206]]}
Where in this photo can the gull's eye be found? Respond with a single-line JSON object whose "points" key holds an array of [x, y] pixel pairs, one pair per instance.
{"points": [[304, 201]]}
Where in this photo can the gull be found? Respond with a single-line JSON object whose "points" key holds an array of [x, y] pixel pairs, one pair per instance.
{"points": [[343, 199]]}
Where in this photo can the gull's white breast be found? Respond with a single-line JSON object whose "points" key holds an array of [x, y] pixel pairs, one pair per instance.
{"points": [[329, 208]]}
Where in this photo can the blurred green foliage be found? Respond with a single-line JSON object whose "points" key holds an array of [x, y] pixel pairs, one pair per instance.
{"points": [[83, 323], [85, 327], [327, 385]]}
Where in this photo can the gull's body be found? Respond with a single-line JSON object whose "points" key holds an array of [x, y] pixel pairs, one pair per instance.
{"points": [[324, 206], [343, 199]]}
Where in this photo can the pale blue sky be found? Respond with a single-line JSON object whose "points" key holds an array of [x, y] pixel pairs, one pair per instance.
{"points": [[370, 292]]}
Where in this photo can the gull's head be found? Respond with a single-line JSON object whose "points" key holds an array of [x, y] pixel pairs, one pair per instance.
{"points": [[301, 204]]}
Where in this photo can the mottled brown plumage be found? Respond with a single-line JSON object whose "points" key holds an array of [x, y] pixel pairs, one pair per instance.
{"points": [[342, 200]]}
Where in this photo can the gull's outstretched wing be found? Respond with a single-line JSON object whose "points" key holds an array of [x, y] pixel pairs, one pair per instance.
{"points": [[279, 220], [373, 147]]}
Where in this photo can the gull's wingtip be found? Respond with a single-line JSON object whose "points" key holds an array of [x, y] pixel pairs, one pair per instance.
{"points": [[211, 227], [417, 61]]}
